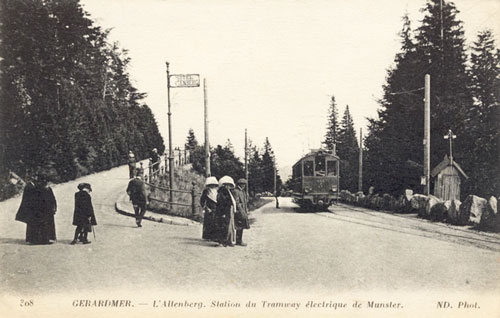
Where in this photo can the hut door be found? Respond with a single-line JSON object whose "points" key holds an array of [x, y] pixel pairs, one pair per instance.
{"points": [[451, 187]]}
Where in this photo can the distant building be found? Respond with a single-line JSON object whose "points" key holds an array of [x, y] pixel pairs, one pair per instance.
{"points": [[447, 179]]}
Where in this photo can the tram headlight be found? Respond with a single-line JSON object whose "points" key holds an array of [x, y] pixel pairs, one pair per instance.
{"points": [[333, 188], [307, 190]]}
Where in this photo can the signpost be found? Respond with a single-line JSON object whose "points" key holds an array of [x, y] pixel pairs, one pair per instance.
{"points": [[176, 81], [184, 80]]}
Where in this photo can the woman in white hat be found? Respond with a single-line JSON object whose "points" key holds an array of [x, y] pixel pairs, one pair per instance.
{"points": [[208, 202], [225, 212]]}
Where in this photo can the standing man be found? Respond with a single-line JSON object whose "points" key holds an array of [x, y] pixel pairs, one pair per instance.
{"points": [[136, 191], [241, 215], [131, 164], [155, 160]]}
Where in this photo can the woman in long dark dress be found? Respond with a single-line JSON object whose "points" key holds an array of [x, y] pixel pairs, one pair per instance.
{"points": [[37, 210], [83, 217], [226, 206], [208, 202]]}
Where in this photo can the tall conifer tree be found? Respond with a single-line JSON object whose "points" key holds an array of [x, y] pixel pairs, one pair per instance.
{"points": [[348, 152], [332, 126], [483, 138]]}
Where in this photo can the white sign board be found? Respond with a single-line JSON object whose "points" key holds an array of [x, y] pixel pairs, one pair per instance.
{"points": [[185, 80]]}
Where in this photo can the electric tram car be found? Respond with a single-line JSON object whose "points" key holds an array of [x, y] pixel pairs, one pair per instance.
{"points": [[315, 180]]}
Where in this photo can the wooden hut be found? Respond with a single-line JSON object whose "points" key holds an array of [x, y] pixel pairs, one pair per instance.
{"points": [[447, 179]]}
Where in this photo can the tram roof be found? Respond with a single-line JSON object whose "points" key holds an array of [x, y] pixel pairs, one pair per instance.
{"points": [[315, 152]]}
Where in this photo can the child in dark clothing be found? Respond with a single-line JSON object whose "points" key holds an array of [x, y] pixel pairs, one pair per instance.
{"points": [[83, 217]]}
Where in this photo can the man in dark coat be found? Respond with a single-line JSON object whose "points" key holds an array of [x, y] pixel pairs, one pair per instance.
{"points": [[83, 217], [136, 191], [241, 215], [37, 210]]}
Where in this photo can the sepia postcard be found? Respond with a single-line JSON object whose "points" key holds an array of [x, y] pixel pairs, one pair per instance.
{"points": [[168, 158]]}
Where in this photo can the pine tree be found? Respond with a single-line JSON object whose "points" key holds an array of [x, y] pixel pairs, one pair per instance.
{"points": [[348, 152], [393, 143], [483, 136], [268, 166], [191, 142], [332, 127], [444, 58]]}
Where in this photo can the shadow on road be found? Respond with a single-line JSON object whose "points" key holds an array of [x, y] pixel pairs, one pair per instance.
{"points": [[196, 241], [13, 241], [272, 209], [120, 225], [23, 242]]}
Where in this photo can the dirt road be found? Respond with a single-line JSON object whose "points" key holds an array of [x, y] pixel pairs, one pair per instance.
{"points": [[346, 249]]}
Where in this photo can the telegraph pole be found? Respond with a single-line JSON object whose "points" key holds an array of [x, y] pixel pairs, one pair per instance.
{"points": [[427, 133], [360, 181], [207, 143], [170, 149], [275, 189], [274, 177], [246, 160]]}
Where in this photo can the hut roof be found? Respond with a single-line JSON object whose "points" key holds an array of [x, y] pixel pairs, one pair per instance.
{"points": [[445, 163]]}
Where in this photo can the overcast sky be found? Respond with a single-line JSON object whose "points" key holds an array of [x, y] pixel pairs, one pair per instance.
{"points": [[270, 66]]}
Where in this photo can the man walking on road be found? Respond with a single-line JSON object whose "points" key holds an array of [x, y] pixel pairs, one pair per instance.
{"points": [[241, 215], [136, 191]]}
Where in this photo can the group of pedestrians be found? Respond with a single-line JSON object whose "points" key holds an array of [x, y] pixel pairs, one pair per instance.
{"points": [[38, 208], [225, 209], [154, 159]]}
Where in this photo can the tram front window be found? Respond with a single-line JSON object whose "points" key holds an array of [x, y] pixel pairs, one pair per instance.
{"points": [[308, 168], [331, 168], [320, 166]]}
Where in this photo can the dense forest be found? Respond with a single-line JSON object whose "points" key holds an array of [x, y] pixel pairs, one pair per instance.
{"points": [[465, 97], [68, 107]]}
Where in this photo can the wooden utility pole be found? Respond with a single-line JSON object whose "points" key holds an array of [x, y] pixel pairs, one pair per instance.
{"points": [[170, 148], [360, 180], [275, 188], [246, 160], [207, 143], [427, 133], [274, 171]]}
